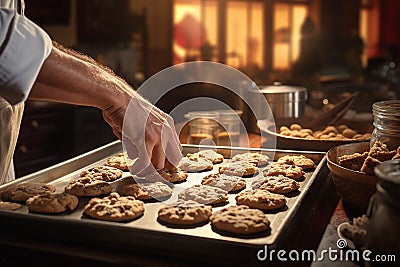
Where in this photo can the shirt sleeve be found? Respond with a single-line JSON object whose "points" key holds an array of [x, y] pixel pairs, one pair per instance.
{"points": [[23, 48]]}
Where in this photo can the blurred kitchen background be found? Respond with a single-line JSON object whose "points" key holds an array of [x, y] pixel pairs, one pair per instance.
{"points": [[330, 47]]}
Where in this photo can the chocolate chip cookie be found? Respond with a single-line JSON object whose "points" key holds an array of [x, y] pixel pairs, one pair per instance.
{"points": [[276, 184], [255, 158], [208, 154], [52, 203], [175, 175], [287, 170], [103, 173], [114, 208], [146, 191], [118, 161], [239, 168], [261, 199], [197, 164], [297, 160], [204, 194], [88, 186], [185, 213], [240, 220], [225, 182], [22, 191]]}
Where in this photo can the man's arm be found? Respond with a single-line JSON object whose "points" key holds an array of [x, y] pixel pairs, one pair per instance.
{"points": [[69, 77]]}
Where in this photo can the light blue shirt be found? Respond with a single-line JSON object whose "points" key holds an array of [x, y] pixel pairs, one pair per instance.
{"points": [[23, 48]]}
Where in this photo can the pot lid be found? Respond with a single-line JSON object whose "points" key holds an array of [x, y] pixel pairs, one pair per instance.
{"points": [[279, 88], [280, 92]]}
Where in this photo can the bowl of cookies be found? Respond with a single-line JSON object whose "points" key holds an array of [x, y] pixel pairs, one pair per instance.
{"points": [[352, 167], [295, 136]]}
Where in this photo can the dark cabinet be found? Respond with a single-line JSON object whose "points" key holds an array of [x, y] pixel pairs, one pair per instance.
{"points": [[51, 133]]}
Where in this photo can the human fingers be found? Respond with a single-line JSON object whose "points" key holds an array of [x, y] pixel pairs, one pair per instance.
{"points": [[142, 162], [170, 122], [173, 153], [172, 146], [130, 148], [158, 157]]}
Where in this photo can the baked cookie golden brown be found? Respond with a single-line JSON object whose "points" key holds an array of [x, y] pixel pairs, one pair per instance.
{"points": [[22, 191], [114, 208], [52, 203], [88, 186], [240, 220], [276, 184], [208, 154], [288, 170], [261, 199], [9, 205], [204, 194], [238, 168], [255, 158], [103, 173], [147, 191], [175, 175], [118, 161], [184, 213], [196, 164], [225, 182], [297, 160]]}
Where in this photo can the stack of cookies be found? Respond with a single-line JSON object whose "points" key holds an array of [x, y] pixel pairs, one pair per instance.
{"points": [[366, 161]]}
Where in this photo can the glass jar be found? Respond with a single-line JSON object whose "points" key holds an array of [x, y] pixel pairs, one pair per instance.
{"points": [[228, 134], [202, 127], [387, 123]]}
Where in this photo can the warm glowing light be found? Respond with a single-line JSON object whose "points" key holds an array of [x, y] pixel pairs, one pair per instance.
{"points": [[299, 14], [288, 20], [364, 32], [205, 14]]}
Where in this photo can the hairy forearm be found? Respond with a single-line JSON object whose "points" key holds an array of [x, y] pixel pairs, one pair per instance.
{"points": [[69, 77]]}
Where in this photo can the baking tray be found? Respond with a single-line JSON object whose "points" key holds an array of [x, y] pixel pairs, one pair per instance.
{"points": [[146, 233]]}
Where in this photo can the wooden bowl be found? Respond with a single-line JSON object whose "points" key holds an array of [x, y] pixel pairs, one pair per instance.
{"points": [[356, 188]]}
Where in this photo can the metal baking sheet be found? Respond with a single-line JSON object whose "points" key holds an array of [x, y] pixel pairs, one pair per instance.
{"points": [[146, 231]]}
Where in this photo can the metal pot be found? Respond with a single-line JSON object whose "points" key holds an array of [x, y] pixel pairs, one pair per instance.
{"points": [[285, 101]]}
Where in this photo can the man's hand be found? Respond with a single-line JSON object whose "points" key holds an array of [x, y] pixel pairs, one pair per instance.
{"points": [[148, 135]]}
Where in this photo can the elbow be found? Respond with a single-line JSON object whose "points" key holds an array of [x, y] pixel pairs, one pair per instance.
{"points": [[13, 95]]}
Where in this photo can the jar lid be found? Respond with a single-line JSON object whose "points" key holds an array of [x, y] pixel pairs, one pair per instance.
{"points": [[388, 173], [387, 108], [201, 114], [229, 115]]}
